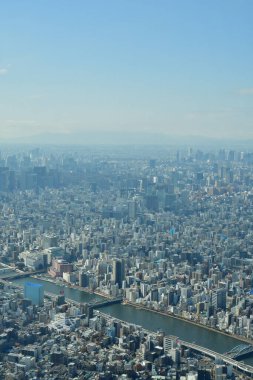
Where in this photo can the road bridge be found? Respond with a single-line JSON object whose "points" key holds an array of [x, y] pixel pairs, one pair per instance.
{"points": [[95, 305], [242, 367], [240, 351], [106, 302], [21, 274]]}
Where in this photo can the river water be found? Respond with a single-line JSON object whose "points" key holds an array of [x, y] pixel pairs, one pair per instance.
{"points": [[150, 320]]}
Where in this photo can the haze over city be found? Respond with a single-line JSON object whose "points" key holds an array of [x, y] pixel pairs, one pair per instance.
{"points": [[126, 190], [125, 71]]}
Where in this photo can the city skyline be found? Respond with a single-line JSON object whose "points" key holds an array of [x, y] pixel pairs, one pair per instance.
{"points": [[144, 252], [73, 70]]}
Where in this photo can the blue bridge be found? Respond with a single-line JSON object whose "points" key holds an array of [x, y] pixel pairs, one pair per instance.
{"points": [[240, 351]]}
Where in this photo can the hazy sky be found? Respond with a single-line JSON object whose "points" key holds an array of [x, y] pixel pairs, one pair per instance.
{"points": [[181, 67]]}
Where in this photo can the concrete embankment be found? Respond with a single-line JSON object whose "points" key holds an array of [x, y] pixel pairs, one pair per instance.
{"points": [[179, 317], [71, 286]]}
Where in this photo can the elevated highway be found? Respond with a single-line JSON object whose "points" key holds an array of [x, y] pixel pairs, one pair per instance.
{"points": [[241, 367]]}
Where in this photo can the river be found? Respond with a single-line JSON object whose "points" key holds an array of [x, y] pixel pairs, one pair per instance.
{"points": [[150, 320]]}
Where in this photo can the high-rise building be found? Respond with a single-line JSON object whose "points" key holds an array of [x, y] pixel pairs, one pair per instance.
{"points": [[84, 279], [219, 299], [35, 293], [152, 203], [132, 208], [50, 241], [118, 272]]}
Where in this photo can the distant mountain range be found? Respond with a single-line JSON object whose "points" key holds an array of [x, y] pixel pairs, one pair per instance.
{"points": [[127, 138]]}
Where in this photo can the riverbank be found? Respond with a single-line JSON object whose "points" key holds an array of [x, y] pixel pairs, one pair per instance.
{"points": [[145, 308], [71, 286], [152, 320], [195, 323]]}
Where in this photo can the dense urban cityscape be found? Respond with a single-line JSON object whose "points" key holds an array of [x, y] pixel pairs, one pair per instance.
{"points": [[126, 190], [164, 231]]}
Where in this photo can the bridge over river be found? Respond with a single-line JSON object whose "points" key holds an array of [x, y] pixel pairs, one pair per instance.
{"points": [[241, 367], [240, 351], [20, 274], [153, 321], [106, 302]]}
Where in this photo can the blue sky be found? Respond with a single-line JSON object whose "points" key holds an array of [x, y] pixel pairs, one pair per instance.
{"points": [[180, 67]]}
